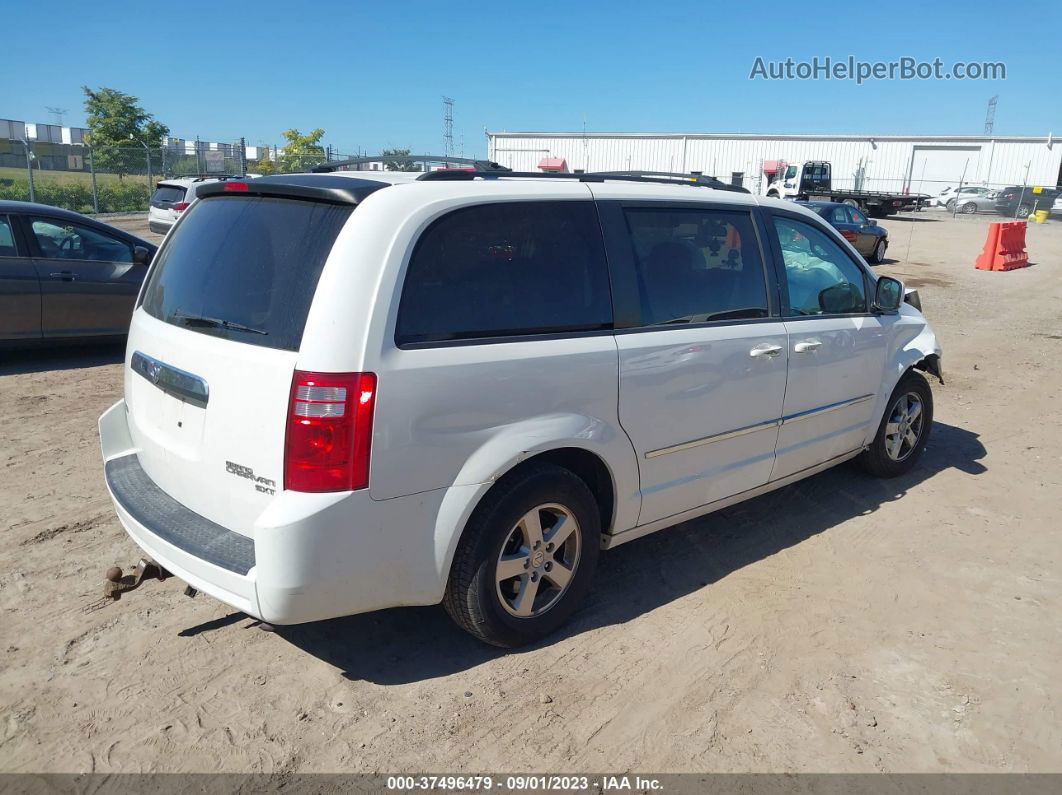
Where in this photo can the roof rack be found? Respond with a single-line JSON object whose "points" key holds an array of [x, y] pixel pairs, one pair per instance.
{"points": [[478, 165], [695, 179], [201, 177], [659, 178]]}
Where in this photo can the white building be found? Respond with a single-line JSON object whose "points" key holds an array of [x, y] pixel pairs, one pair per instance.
{"points": [[918, 164]]}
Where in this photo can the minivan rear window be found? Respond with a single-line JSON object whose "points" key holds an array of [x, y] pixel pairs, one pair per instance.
{"points": [[244, 268], [168, 193]]}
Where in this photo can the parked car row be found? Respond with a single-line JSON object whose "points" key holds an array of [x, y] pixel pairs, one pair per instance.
{"points": [[1013, 202]]}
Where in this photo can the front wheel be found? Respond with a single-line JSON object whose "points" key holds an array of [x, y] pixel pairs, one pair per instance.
{"points": [[904, 430], [1023, 211], [526, 559], [969, 208]]}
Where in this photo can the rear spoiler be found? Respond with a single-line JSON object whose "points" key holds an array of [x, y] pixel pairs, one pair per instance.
{"points": [[313, 187]]}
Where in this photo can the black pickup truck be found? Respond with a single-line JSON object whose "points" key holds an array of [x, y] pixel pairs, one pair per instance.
{"points": [[812, 182]]}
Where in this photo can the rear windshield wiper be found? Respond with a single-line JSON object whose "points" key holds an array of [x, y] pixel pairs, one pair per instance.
{"points": [[213, 322]]}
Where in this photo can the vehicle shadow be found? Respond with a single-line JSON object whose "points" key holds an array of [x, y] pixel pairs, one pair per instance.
{"points": [[68, 357], [403, 645], [915, 219]]}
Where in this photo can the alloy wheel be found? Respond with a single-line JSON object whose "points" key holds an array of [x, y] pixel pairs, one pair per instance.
{"points": [[538, 560], [904, 428]]}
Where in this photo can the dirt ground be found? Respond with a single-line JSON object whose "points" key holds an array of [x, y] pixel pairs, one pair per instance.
{"points": [[841, 624]]}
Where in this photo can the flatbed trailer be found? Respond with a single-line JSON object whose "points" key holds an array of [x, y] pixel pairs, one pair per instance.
{"points": [[814, 183]]}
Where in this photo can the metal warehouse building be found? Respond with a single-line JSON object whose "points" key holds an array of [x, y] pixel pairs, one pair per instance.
{"points": [[917, 164]]}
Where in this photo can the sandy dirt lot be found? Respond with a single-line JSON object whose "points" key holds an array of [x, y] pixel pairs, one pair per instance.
{"points": [[841, 624]]}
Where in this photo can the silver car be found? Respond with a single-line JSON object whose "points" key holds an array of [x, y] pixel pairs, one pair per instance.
{"points": [[974, 200]]}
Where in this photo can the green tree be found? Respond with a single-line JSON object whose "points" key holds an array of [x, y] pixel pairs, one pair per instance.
{"points": [[301, 152], [398, 160], [118, 126]]}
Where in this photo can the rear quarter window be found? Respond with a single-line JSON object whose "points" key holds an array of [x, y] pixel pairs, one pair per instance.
{"points": [[507, 270], [244, 268]]}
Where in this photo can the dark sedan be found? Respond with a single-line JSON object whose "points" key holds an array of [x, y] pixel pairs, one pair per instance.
{"points": [[869, 239], [64, 276]]}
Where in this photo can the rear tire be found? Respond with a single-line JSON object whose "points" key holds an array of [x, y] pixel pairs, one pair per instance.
{"points": [[969, 208], [1023, 211], [851, 203], [904, 430], [509, 583], [877, 256]]}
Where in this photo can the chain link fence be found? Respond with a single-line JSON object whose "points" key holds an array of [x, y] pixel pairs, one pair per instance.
{"points": [[105, 179]]}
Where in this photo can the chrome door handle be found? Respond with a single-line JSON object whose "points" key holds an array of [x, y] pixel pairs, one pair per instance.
{"points": [[66, 276], [765, 349], [807, 346]]}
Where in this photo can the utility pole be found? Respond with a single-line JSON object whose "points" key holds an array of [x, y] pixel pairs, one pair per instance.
{"points": [[448, 127], [58, 113], [990, 116]]}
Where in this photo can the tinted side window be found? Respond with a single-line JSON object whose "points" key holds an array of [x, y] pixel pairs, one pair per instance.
{"points": [[60, 239], [695, 265], [507, 269], [839, 215], [7, 239], [822, 279]]}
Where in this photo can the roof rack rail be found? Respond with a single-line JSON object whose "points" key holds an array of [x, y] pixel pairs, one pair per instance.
{"points": [[696, 179], [201, 177], [621, 176], [478, 165]]}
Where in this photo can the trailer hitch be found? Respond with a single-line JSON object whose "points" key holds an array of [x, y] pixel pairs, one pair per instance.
{"points": [[116, 583]]}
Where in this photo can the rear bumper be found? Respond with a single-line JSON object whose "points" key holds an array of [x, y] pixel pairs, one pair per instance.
{"points": [[308, 557], [159, 227]]}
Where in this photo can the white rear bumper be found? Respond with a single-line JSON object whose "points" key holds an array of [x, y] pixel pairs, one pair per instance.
{"points": [[316, 556]]}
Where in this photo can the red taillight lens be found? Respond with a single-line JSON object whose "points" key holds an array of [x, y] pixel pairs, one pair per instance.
{"points": [[235, 187], [848, 235], [180, 206], [329, 433]]}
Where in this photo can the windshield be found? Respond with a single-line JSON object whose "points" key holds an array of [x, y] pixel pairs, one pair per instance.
{"points": [[244, 268]]}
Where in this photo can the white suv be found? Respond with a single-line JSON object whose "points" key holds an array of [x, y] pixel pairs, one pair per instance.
{"points": [[172, 197], [346, 393]]}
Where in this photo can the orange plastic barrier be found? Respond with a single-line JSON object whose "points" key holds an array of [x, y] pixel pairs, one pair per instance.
{"points": [[1005, 248]]}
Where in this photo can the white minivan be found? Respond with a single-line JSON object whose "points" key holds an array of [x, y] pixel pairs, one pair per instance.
{"points": [[347, 392]]}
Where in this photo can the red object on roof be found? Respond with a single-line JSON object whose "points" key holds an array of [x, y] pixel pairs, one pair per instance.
{"points": [[555, 164], [773, 166]]}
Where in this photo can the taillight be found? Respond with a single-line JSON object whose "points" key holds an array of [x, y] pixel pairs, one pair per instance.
{"points": [[848, 235], [329, 433], [235, 187], [180, 206]]}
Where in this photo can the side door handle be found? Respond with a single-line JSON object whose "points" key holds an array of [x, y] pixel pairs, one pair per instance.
{"points": [[765, 349], [66, 276], [807, 346]]}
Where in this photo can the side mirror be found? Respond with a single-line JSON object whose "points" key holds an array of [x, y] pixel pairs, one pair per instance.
{"points": [[141, 255], [888, 295]]}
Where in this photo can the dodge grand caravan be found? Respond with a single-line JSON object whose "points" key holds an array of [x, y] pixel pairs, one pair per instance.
{"points": [[347, 392]]}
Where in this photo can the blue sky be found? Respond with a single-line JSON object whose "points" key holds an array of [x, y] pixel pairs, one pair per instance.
{"points": [[373, 74]]}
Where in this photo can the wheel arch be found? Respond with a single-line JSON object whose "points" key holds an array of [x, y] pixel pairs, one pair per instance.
{"points": [[593, 457]]}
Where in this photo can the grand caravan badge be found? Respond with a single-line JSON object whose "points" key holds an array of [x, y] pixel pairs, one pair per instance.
{"points": [[262, 484]]}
